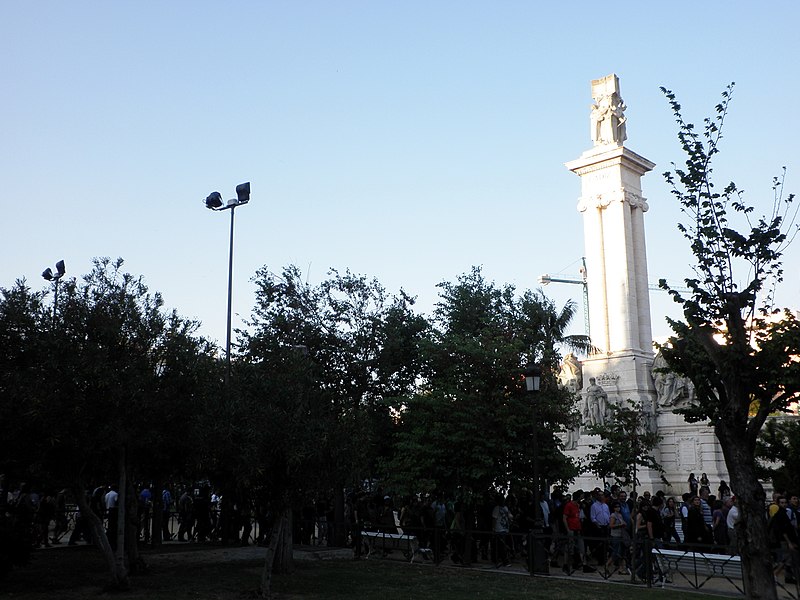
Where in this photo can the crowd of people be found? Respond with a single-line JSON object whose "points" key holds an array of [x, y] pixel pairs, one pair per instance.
{"points": [[605, 529], [36, 519], [30, 514], [602, 529]]}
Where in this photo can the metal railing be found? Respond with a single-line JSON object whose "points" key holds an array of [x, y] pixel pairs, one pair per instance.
{"points": [[540, 553], [632, 561]]}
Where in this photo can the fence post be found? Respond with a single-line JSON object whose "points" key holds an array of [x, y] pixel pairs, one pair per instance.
{"points": [[531, 562]]}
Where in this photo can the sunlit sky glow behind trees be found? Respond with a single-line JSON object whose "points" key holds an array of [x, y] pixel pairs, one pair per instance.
{"points": [[406, 141]]}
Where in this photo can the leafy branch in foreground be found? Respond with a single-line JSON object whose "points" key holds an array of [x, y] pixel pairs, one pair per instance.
{"points": [[735, 346], [628, 443]]}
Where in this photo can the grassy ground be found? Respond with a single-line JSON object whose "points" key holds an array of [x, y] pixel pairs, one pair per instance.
{"points": [[187, 572]]}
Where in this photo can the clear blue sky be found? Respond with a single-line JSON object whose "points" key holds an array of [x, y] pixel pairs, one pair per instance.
{"points": [[403, 140]]}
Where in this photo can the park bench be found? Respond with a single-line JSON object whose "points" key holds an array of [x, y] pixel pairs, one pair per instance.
{"points": [[698, 567], [384, 542]]}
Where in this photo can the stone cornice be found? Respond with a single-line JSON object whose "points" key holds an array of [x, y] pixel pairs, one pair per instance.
{"points": [[602, 200], [603, 157]]}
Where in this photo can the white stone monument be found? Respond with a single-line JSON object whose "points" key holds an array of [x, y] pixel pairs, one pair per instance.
{"points": [[621, 368]]}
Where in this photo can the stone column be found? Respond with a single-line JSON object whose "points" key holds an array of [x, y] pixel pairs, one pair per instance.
{"points": [[616, 258]]}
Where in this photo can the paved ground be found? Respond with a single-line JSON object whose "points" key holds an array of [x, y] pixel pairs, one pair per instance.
{"points": [[200, 553], [217, 554]]}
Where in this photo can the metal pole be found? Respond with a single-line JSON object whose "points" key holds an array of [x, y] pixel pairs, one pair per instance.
{"points": [[585, 298], [55, 302], [536, 548], [537, 509], [230, 307]]}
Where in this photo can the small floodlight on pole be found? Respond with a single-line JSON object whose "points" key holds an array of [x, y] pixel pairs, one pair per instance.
{"points": [[215, 202], [48, 274]]}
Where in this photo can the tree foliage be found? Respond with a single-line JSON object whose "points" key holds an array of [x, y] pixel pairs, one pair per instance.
{"points": [[778, 451], [733, 344], [322, 360], [470, 424], [728, 345], [104, 382], [628, 443]]}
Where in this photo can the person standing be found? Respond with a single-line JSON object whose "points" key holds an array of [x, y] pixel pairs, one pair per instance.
{"points": [[646, 531], [166, 507], [185, 516], [694, 485], [356, 524], [144, 510], [439, 512], [617, 534], [458, 529], [44, 516], [731, 519], [724, 491], [719, 526], [695, 532], [784, 532], [708, 514], [669, 513], [625, 508], [575, 542], [501, 525], [655, 524], [112, 510], [600, 514], [794, 510]]}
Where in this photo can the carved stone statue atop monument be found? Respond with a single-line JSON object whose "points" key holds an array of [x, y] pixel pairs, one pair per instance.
{"points": [[570, 376], [596, 409], [608, 112]]}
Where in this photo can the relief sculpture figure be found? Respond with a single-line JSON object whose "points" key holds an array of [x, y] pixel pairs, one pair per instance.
{"points": [[596, 407], [570, 377], [671, 389]]}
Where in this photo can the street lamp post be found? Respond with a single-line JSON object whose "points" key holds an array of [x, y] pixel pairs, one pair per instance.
{"points": [[214, 202], [55, 278], [533, 378]]}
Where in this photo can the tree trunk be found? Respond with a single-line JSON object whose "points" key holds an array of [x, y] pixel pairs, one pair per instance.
{"points": [[228, 525], [753, 539], [339, 526], [284, 557], [119, 579], [157, 520], [122, 505], [136, 563], [466, 543], [276, 537]]}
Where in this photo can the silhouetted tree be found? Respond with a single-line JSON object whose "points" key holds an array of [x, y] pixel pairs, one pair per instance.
{"points": [[732, 343]]}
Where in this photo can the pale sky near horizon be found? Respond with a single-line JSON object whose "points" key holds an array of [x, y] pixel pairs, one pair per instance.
{"points": [[406, 141]]}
